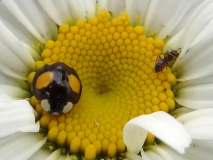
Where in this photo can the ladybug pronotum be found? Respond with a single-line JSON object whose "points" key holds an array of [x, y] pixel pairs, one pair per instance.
{"points": [[58, 87]]}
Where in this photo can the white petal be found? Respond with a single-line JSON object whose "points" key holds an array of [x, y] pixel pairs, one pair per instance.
{"points": [[88, 8], [199, 123], [160, 124], [165, 17], [77, 10], [16, 61], [58, 11], [135, 7], [180, 111], [200, 149], [132, 156], [134, 135], [41, 154], [191, 65], [194, 94], [161, 152], [15, 26], [17, 116], [33, 18], [10, 81], [15, 92], [57, 154], [115, 7], [199, 19], [20, 146], [156, 153], [6, 98], [62, 11]]}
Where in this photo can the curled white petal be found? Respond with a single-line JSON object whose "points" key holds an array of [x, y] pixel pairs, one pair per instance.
{"points": [[161, 125], [17, 116]]}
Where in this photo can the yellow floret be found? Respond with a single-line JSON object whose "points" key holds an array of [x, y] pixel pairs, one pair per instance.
{"points": [[52, 134], [49, 44], [162, 97], [159, 43], [38, 65], [55, 50], [171, 78], [155, 108], [103, 15], [80, 23], [150, 138], [97, 145], [74, 29], [90, 152], [38, 108], [44, 121], [31, 77], [93, 21], [139, 30], [120, 146], [46, 53], [75, 145], [52, 123], [61, 36], [61, 138], [33, 101], [164, 107], [171, 103], [112, 149], [85, 142], [64, 28]]}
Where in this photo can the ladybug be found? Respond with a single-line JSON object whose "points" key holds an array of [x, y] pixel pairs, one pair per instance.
{"points": [[58, 88]]}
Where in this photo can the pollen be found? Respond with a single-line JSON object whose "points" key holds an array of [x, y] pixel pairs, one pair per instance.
{"points": [[115, 62]]}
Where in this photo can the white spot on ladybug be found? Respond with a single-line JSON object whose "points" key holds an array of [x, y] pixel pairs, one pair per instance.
{"points": [[45, 105], [67, 107], [55, 113]]}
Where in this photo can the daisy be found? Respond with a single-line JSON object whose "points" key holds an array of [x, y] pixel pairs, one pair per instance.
{"points": [[113, 46]]}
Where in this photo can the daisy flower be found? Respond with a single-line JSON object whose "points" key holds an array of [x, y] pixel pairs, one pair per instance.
{"points": [[135, 72]]}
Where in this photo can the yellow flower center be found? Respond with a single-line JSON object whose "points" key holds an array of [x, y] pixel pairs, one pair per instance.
{"points": [[115, 62]]}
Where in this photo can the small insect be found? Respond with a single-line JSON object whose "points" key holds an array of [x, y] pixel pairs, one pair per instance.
{"points": [[96, 123], [168, 57], [58, 87]]}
